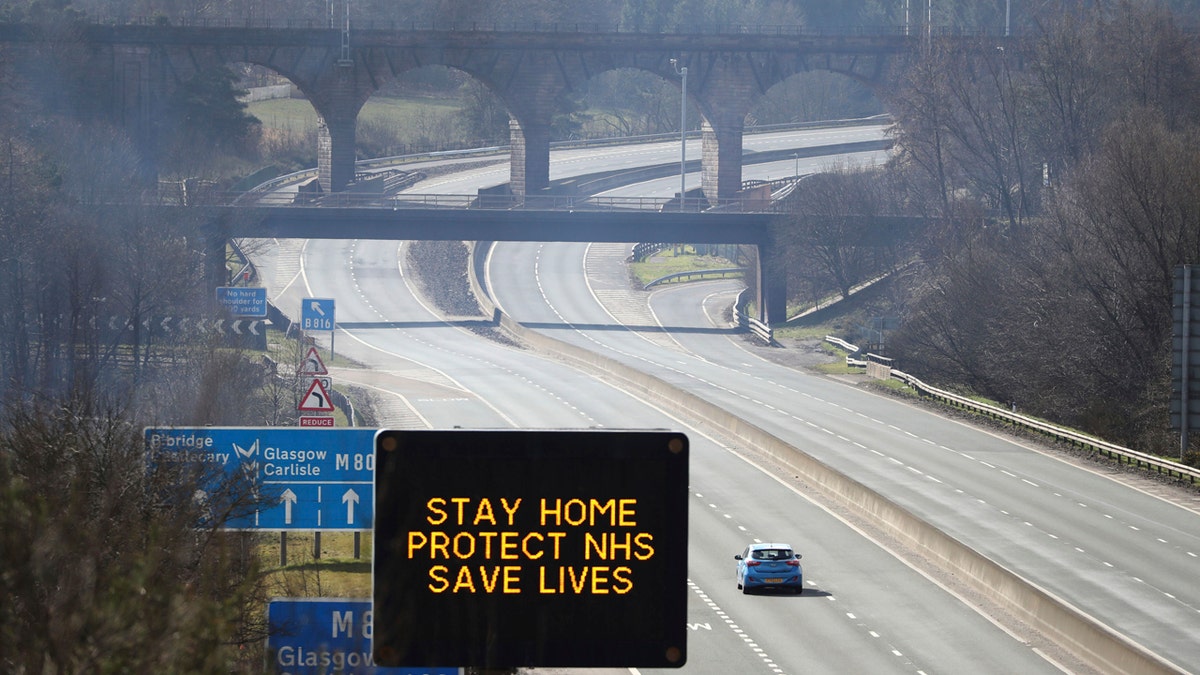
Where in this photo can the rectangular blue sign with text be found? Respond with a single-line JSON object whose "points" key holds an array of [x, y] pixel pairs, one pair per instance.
{"points": [[298, 478], [322, 636], [316, 314], [243, 301]]}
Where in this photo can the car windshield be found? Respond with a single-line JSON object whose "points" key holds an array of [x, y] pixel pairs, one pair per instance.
{"points": [[772, 554]]}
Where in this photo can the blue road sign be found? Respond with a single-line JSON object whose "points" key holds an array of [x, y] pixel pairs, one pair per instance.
{"points": [[243, 301], [320, 636], [304, 479], [316, 314]]}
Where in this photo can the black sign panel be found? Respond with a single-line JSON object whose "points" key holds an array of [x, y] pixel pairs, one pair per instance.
{"points": [[507, 549]]}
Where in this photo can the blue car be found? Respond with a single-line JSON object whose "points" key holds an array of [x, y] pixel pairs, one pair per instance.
{"points": [[769, 566]]}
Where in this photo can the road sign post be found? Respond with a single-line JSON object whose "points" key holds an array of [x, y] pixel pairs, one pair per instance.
{"points": [[318, 390], [1185, 353], [317, 314]]}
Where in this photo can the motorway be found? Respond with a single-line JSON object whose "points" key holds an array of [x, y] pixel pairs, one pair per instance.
{"points": [[1117, 552]]}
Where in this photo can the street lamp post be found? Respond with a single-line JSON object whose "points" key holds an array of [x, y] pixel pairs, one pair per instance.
{"points": [[682, 132]]}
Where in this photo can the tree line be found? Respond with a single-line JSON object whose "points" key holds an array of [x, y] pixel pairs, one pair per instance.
{"points": [[1058, 177]]}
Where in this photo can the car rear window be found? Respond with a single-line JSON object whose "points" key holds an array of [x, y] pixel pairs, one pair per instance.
{"points": [[773, 554]]}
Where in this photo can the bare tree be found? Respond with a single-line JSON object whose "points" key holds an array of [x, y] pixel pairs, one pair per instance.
{"points": [[832, 238], [105, 569]]}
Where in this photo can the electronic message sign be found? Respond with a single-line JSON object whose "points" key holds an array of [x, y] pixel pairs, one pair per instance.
{"points": [[507, 549], [301, 479]]}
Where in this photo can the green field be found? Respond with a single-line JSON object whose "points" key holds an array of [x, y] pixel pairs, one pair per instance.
{"points": [[673, 260], [297, 115]]}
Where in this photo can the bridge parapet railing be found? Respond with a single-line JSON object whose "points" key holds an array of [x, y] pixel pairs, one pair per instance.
{"points": [[369, 200], [325, 22], [719, 273], [1111, 450]]}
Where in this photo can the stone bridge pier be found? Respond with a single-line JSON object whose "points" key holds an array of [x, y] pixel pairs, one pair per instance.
{"points": [[530, 92], [727, 91], [336, 151]]}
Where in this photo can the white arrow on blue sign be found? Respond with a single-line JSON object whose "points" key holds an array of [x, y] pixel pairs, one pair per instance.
{"points": [[316, 314], [305, 479], [326, 635]]}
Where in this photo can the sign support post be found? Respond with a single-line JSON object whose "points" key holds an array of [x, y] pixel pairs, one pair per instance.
{"points": [[1185, 354], [318, 314], [1185, 379]]}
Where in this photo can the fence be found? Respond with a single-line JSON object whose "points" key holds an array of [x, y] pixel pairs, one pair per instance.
{"points": [[1119, 453]]}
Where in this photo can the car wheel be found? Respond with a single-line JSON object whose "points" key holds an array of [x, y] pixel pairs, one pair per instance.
{"points": [[799, 590], [739, 587], [745, 590]]}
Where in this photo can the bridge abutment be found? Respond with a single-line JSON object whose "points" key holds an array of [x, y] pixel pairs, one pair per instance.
{"points": [[771, 298]]}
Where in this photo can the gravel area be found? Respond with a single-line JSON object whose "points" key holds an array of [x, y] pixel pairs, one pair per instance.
{"points": [[440, 274]]}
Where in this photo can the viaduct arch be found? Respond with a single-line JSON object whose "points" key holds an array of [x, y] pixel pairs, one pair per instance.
{"points": [[527, 70]]}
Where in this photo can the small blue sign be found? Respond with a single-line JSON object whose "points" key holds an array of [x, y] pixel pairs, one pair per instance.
{"points": [[246, 301], [295, 478], [316, 314], [322, 636]]}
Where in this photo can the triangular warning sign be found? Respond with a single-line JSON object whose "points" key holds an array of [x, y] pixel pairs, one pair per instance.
{"points": [[316, 399], [312, 364]]}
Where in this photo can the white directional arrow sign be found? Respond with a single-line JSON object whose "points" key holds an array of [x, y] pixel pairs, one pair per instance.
{"points": [[317, 314], [350, 499], [287, 498]]}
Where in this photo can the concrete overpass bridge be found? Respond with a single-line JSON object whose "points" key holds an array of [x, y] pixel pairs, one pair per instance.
{"points": [[744, 220], [133, 67]]}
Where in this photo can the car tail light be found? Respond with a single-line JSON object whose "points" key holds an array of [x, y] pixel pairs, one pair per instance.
{"points": [[752, 563], [793, 563]]}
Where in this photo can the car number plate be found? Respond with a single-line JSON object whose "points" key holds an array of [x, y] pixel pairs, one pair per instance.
{"points": [[772, 581]]}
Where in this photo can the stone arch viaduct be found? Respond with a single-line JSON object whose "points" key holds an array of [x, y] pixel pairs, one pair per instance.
{"points": [[339, 70]]}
